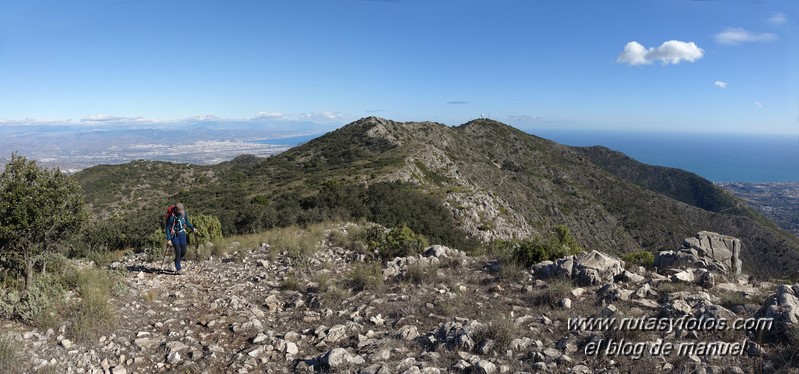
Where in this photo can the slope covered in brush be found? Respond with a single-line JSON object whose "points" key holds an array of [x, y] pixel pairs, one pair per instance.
{"points": [[463, 185]]}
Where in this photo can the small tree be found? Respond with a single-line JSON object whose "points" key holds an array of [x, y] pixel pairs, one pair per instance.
{"points": [[38, 208]]}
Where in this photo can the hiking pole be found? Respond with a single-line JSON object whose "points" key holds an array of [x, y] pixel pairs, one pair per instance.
{"points": [[164, 259]]}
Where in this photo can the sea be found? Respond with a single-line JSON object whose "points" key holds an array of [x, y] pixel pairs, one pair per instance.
{"points": [[718, 157]]}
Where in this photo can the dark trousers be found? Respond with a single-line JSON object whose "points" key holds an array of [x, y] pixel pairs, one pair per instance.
{"points": [[181, 247]]}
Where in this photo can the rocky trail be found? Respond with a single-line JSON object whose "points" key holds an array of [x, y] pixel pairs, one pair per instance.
{"points": [[255, 310]]}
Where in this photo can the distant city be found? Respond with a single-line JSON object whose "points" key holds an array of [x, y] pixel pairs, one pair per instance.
{"points": [[779, 201], [72, 148]]}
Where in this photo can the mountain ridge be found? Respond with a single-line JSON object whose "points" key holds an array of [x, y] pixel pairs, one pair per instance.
{"points": [[496, 181]]}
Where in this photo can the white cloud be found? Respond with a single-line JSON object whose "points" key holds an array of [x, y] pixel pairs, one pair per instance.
{"points": [[758, 105], [322, 116], [737, 35], [107, 118], [525, 118], [670, 52], [32, 121], [777, 19], [202, 118], [315, 116], [270, 115], [720, 84]]}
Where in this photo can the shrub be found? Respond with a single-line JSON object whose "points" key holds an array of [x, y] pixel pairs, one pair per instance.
{"points": [[400, 241], [559, 244], [512, 271], [40, 304], [293, 283], [209, 227], [730, 299], [334, 295], [353, 238], [640, 258], [38, 209]]}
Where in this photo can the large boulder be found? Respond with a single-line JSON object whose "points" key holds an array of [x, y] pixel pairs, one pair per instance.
{"points": [[783, 308], [594, 267], [587, 269], [721, 248], [707, 250]]}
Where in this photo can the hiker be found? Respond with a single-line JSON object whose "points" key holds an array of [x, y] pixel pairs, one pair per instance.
{"points": [[176, 235]]}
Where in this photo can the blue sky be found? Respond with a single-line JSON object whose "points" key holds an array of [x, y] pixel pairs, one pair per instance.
{"points": [[677, 65]]}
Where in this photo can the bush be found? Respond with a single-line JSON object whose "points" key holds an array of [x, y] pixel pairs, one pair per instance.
{"points": [[400, 241], [452, 306], [209, 227], [559, 244], [38, 209], [640, 258], [352, 238], [41, 302]]}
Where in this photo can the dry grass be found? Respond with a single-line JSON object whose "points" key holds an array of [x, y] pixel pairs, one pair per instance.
{"points": [[150, 295], [500, 329], [352, 238], [297, 242], [367, 276], [93, 315], [293, 282], [512, 271], [10, 355], [421, 274], [557, 289], [452, 306], [333, 295]]}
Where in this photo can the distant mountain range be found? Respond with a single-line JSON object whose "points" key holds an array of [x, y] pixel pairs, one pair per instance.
{"points": [[495, 182]]}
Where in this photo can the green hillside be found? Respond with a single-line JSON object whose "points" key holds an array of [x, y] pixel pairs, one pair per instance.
{"points": [[462, 185]]}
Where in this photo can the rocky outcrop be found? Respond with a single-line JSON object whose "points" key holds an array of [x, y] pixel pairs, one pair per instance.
{"points": [[707, 250], [587, 269], [783, 307]]}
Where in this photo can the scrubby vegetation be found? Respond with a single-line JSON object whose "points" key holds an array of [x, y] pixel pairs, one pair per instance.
{"points": [[559, 243], [640, 258], [41, 216], [391, 174], [38, 209]]}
